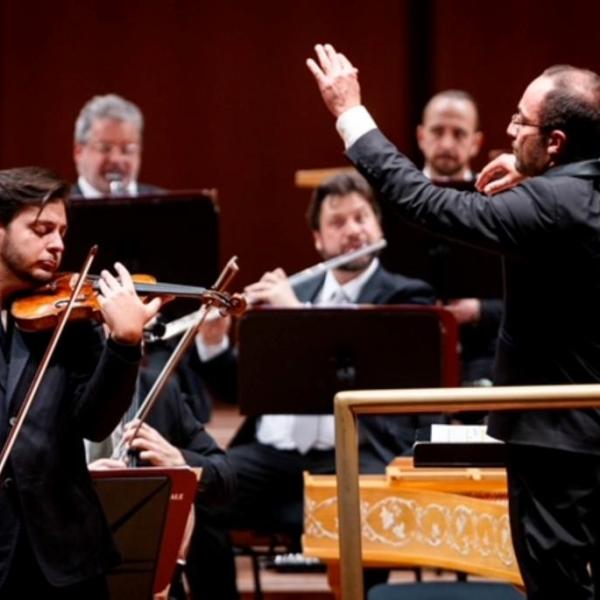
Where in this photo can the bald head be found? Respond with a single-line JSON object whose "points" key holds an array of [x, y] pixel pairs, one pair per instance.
{"points": [[449, 135], [452, 98]]}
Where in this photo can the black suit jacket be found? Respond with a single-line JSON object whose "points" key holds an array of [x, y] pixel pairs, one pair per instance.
{"points": [[548, 231], [46, 487], [383, 287]]}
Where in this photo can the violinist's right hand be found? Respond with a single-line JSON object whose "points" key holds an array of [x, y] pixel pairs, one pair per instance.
{"points": [[274, 289], [123, 310]]}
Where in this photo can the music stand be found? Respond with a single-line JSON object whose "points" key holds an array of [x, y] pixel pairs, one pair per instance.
{"points": [[294, 361], [155, 234], [147, 509]]}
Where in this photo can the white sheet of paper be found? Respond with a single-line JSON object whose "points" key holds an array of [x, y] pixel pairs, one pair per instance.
{"points": [[460, 434]]}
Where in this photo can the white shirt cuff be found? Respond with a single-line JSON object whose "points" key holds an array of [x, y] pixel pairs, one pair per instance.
{"points": [[208, 351], [354, 123]]}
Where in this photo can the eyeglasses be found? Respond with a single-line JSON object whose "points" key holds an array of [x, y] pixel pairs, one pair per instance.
{"points": [[518, 120], [107, 148]]}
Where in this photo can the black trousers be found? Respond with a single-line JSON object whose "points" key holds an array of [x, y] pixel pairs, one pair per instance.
{"points": [[554, 500], [26, 580], [269, 497]]}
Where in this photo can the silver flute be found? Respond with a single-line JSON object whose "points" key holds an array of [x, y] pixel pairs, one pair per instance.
{"points": [[334, 263], [178, 326]]}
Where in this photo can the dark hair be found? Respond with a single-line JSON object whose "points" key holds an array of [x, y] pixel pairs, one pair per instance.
{"points": [[339, 185], [29, 186], [573, 107]]}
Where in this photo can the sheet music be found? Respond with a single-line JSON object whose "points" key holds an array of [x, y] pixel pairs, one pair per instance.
{"points": [[461, 434]]}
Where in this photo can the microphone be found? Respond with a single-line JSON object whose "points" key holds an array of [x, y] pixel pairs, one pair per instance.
{"points": [[116, 184]]}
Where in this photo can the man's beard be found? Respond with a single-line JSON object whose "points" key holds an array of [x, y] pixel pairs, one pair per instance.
{"points": [[535, 162], [529, 168], [447, 167], [11, 258]]}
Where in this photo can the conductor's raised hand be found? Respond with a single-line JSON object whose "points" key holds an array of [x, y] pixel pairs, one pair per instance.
{"points": [[337, 79], [123, 310]]}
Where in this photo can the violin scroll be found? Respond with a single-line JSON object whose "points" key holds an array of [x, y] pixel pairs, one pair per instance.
{"points": [[228, 304]]}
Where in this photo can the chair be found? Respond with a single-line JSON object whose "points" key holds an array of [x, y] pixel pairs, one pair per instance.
{"points": [[450, 590], [259, 547]]}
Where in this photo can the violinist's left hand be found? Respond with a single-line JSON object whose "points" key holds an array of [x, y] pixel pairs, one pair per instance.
{"points": [[153, 447], [123, 310]]}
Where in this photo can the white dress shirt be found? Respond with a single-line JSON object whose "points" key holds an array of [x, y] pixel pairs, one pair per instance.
{"points": [[354, 123]]}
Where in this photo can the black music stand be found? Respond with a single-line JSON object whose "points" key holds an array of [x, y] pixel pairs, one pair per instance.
{"points": [[158, 234], [293, 361], [147, 510]]}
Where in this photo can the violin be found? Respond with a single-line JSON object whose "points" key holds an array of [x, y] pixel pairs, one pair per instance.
{"points": [[41, 308], [68, 293]]}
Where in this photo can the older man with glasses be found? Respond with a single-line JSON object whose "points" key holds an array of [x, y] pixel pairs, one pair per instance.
{"points": [[108, 148]]}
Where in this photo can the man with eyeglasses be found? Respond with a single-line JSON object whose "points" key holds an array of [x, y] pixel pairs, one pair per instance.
{"points": [[108, 148], [548, 231]]}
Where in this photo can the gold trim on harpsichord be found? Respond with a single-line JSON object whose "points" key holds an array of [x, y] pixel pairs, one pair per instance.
{"points": [[477, 482], [458, 521], [348, 405]]}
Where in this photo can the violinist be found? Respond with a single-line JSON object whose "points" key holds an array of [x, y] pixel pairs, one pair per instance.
{"points": [[54, 540], [270, 455]]}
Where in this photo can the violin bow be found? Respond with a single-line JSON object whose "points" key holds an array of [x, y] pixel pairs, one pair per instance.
{"points": [[43, 366], [230, 270]]}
